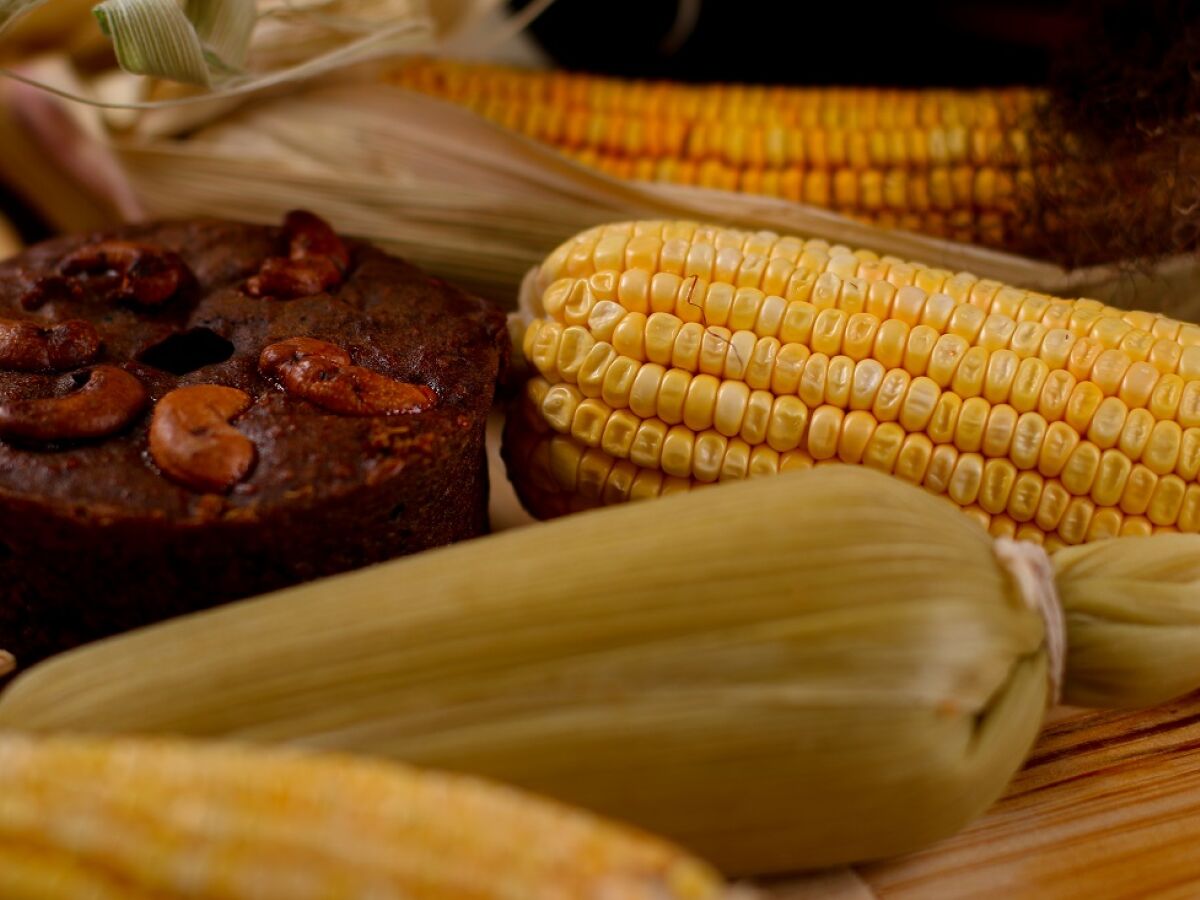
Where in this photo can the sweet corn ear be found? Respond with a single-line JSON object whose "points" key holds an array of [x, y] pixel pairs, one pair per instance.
{"points": [[157, 819], [669, 355], [954, 164]]}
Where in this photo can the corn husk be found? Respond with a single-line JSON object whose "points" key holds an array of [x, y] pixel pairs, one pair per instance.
{"points": [[210, 54], [60, 25], [460, 195], [54, 155], [480, 205], [818, 668]]}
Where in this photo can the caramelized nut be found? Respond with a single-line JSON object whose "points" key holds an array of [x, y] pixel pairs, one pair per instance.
{"points": [[191, 439], [317, 261], [287, 279], [309, 236], [47, 289], [283, 353], [353, 390], [321, 373], [124, 270], [108, 401], [29, 347]]}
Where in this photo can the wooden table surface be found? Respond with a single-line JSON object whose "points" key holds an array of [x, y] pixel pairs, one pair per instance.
{"points": [[1107, 806]]}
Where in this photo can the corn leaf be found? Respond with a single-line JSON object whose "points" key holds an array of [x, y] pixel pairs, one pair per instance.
{"points": [[204, 42], [224, 26]]}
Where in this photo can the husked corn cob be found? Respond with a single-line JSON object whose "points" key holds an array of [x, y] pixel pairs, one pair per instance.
{"points": [[670, 355], [953, 164], [139, 818]]}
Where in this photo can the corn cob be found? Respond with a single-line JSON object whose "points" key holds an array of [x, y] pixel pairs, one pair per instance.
{"points": [[671, 355], [785, 673], [156, 818], [957, 164]]}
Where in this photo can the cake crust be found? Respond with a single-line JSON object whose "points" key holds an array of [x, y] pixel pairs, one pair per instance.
{"points": [[96, 537]]}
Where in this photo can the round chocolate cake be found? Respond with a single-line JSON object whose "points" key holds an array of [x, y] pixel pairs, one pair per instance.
{"points": [[196, 412]]}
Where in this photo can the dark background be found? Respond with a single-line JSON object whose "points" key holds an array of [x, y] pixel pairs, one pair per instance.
{"points": [[917, 44]]}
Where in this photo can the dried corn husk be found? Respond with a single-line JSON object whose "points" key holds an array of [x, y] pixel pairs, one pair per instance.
{"points": [[210, 53], [821, 667], [53, 154], [56, 163], [61, 25], [464, 197], [479, 204]]}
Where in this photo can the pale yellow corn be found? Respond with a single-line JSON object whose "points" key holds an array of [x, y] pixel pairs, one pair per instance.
{"points": [[170, 819], [671, 355]]}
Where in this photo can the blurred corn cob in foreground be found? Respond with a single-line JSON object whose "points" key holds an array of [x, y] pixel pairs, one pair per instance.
{"points": [[125, 819], [955, 164], [669, 355]]}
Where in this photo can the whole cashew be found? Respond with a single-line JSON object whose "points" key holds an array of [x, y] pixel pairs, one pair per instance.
{"points": [[108, 401], [146, 275], [29, 347], [321, 374], [317, 260], [191, 439], [47, 288]]}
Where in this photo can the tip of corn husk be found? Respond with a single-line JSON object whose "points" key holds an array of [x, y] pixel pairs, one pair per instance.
{"points": [[280, 43], [218, 52]]}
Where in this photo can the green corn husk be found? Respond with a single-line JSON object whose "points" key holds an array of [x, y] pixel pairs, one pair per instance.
{"points": [[817, 668], [219, 44]]}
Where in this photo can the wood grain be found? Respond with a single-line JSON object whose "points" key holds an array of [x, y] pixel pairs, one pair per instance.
{"points": [[1107, 806]]}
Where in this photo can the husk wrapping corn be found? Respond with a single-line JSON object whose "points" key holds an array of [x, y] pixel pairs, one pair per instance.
{"points": [[822, 667]]}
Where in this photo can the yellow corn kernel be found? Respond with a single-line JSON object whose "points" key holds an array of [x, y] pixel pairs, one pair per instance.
{"points": [[158, 818], [1055, 418], [757, 417]]}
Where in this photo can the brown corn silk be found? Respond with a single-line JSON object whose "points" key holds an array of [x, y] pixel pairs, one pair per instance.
{"points": [[824, 667]]}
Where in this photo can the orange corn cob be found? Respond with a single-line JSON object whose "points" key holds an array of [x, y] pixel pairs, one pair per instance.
{"points": [[955, 164]]}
